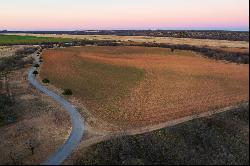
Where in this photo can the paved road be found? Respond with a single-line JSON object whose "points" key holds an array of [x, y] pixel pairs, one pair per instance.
{"points": [[77, 122]]}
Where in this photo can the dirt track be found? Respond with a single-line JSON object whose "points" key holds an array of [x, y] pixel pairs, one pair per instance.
{"points": [[77, 123]]}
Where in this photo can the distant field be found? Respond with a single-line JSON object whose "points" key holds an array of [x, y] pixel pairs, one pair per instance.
{"points": [[15, 39], [137, 86], [168, 40]]}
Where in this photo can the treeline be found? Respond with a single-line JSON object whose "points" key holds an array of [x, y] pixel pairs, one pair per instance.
{"points": [[216, 35], [217, 54]]}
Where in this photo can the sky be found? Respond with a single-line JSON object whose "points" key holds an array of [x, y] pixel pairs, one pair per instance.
{"points": [[124, 14]]}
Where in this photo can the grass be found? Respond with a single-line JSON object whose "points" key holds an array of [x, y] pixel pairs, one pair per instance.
{"points": [[220, 139], [15, 39]]}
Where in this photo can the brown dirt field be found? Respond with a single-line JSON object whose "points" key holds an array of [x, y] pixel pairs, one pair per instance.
{"points": [[39, 120], [175, 84]]}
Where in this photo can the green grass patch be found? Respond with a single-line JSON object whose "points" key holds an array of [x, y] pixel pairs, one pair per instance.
{"points": [[15, 39]]}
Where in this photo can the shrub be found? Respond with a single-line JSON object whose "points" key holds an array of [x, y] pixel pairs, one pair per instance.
{"points": [[46, 81], [35, 72], [36, 65], [67, 92]]}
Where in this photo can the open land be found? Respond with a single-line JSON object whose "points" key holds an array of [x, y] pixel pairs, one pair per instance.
{"points": [[125, 89], [132, 87], [28, 119], [16, 39], [218, 139], [167, 40]]}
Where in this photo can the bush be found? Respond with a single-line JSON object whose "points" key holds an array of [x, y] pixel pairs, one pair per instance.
{"points": [[46, 81], [35, 72], [67, 92], [36, 65]]}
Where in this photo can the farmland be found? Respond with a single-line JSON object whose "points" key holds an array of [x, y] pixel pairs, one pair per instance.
{"points": [[15, 39], [137, 86]]}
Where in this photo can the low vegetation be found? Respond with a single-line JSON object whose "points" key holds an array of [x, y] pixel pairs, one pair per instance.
{"points": [[23, 140], [46, 81], [222, 139], [27, 40], [18, 60], [7, 114], [67, 92], [9, 64]]}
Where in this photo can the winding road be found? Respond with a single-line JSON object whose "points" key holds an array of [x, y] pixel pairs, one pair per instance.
{"points": [[77, 122]]}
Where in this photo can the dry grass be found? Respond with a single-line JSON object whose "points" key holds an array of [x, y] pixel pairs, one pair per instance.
{"points": [[6, 51], [39, 120], [174, 85], [221, 139]]}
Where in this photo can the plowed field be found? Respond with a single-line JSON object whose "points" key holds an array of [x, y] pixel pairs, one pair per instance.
{"points": [[137, 86]]}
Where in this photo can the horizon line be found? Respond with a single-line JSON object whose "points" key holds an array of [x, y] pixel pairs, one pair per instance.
{"points": [[67, 30]]}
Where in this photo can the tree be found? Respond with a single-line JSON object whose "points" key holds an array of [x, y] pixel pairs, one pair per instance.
{"points": [[36, 65], [35, 72]]}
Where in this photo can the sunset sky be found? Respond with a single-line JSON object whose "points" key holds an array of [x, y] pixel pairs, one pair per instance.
{"points": [[123, 14]]}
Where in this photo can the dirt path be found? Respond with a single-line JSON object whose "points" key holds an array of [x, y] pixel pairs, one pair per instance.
{"points": [[77, 122], [94, 139]]}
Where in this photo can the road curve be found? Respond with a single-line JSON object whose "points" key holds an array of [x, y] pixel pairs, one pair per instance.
{"points": [[77, 122]]}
